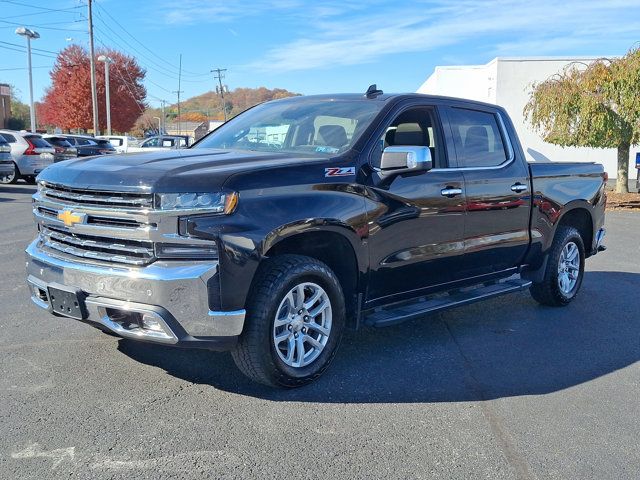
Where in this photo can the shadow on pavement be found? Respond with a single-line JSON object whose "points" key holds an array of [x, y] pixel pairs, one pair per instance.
{"points": [[504, 347]]}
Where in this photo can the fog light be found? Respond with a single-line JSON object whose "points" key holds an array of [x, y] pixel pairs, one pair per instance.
{"points": [[149, 322]]}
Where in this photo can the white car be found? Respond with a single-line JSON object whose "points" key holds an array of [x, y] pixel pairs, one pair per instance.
{"points": [[30, 153], [122, 143], [161, 142]]}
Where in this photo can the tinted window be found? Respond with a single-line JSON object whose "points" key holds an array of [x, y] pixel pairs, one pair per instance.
{"points": [[38, 141], [3, 141], [103, 144], [477, 138], [9, 138], [152, 142], [71, 140]]}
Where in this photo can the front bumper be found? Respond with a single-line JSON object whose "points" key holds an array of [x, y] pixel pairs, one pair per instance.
{"points": [[173, 296]]}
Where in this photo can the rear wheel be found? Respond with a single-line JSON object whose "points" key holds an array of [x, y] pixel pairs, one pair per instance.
{"points": [[564, 271], [30, 179], [10, 177], [295, 319]]}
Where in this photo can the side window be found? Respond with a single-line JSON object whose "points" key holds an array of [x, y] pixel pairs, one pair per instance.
{"points": [[477, 138], [10, 138], [167, 142], [152, 142], [116, 142], [414, 127]]}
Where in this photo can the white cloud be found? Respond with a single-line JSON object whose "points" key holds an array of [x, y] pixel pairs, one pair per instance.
{"points": [[532, 28]]}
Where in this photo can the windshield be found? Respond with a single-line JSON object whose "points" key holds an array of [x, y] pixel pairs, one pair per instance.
{"points": [[314, 127]]}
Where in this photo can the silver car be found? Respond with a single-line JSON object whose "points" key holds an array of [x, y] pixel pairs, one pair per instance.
{"points": [[31, 154], [6, 161]]}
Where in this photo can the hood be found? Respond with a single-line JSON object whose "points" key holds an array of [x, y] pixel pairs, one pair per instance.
{"points": [[193, 170]]}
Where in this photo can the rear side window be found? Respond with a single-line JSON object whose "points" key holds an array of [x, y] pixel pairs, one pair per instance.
{"points": [[37, 141], [477, 138], [3, 141], [103, 143], [9, 138], [116, 142]]}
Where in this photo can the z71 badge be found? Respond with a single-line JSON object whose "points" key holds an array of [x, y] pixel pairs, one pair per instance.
{"points": [[339, 171]]}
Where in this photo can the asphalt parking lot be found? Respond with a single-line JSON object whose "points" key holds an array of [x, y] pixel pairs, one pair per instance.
{"points": [[500, 389]]}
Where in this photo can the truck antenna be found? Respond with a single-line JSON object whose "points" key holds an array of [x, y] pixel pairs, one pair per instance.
{"points": [[373, 92]]}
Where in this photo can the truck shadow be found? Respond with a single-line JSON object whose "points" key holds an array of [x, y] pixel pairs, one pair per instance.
{"points": [[505, 347]]}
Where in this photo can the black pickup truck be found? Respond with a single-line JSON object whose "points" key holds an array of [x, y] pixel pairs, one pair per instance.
{"points": [[305, 216]]}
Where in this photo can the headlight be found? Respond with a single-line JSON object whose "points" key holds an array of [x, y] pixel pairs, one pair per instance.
{"points": [[221, 202]]}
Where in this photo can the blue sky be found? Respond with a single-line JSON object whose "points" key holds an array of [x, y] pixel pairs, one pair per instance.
{"points": [[311, 46]]}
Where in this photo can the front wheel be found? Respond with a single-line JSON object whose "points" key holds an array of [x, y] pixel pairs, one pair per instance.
{"points": [[564, 271], [12, 177], [295, 320]]}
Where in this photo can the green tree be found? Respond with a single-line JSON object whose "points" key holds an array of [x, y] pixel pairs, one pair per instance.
{"points": [[20, 114], [595, 105]]}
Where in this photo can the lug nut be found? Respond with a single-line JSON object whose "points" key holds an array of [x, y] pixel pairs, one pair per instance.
{"points": [[295, 335], [306, 318], [289, 328], [304, 330]]}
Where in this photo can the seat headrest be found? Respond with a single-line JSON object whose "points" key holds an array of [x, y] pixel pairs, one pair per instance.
{"points": [[476, 141], [410, 134], [332, 136]]}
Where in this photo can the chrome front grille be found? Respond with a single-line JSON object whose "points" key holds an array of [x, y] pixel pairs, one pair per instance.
{"points": [[129, 252], [76, 196], [119, 229]]}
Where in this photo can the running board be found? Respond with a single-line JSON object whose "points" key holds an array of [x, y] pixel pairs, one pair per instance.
{"points": [[393, 315]]}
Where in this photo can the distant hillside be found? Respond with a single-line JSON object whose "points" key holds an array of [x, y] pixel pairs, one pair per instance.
{"points": [[208, 106]]}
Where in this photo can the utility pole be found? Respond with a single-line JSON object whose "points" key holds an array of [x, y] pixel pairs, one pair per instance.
{"points": [[164, 129], [219, 77], [179, 92], [92, 63]]}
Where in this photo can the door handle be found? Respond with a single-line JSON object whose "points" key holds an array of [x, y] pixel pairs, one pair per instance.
{"points": [[450, 192], [518, 187]]}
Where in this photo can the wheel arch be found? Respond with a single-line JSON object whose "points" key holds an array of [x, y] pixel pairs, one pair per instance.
{"points": [[334, 247]]}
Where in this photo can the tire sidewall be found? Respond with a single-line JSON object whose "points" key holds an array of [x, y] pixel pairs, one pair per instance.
{"points": [[322, 276], [16, 176], [571, 235]]}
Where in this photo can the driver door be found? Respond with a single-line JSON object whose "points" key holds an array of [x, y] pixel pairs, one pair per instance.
{"points": [[416, 237]]}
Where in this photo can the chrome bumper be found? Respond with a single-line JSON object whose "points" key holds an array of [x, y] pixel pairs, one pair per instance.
{"points": [[173, 294]]}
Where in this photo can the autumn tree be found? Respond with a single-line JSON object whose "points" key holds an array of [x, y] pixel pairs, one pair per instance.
{"points": [[67, 103], [595, 105]]}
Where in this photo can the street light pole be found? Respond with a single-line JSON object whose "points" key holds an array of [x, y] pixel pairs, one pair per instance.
{"points": [[29, 34], [107, 61]]}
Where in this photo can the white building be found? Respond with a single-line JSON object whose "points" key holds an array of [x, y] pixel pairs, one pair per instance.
{"points": [[508, 82]]}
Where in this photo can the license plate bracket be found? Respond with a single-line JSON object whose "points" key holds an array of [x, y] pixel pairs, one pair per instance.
{"points": [[68, 301]]}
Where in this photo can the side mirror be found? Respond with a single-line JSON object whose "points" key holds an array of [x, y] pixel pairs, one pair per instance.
{"points": [[402, 159]]}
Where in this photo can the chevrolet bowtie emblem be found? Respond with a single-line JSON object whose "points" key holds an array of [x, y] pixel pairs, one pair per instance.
{"points": [[69, 218]]}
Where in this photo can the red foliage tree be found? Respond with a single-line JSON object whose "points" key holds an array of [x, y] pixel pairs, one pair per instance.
{"points": [[67, 103]]}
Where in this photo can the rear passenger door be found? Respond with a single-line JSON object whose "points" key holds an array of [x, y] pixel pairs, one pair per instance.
{"points": [[498, 200]]}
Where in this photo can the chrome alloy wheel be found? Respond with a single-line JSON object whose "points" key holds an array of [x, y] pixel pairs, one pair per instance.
{"points": [[302, 325], [8, 177], [568, 268]]}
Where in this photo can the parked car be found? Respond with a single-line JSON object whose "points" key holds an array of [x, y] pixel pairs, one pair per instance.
{"points": [[122, 143], [63, 148], [161, 142], [90, 146], [358, 215], [6, 162], [31, 154]]}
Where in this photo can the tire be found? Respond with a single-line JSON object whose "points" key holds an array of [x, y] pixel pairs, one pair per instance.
{"points": [[271, 316], [564, 271], [30, 179], [10, 179]]}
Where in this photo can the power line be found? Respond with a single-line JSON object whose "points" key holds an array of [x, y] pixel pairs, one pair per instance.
{"points": [[22, 68], [43, 27], [41, 8], [144, 46], [23, 51], [22, 46]]}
